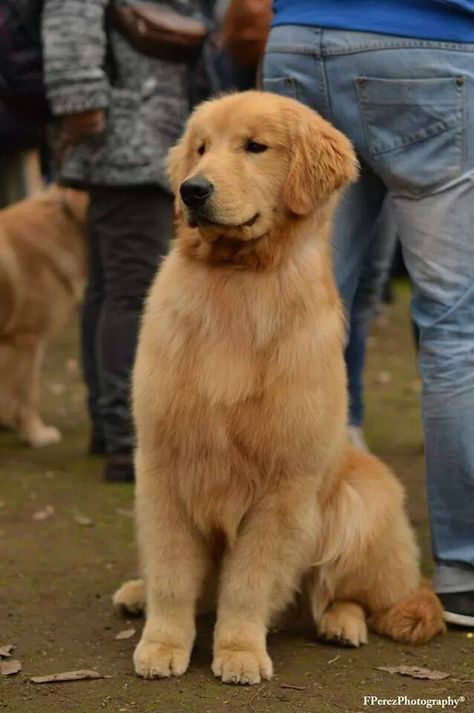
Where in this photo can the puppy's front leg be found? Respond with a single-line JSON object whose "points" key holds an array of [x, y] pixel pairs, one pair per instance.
{"points": [[175, 563], [260, 576]]}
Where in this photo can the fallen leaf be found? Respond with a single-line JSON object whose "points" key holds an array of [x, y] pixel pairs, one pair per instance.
{"points": [[83, 520], [7, 668], [6, 651], [292, 687], [124, 512], [125, 634], [414, 672], [82, 675], [43, 514]]}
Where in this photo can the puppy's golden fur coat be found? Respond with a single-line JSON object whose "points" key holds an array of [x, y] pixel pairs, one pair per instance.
{"points": [[42, 271], [244, 474]]}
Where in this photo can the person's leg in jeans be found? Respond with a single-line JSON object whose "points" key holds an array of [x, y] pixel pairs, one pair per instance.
{"points": [[438, 244], [413, 126], [134, 226], [419, 137], [375, 272], [90, 314]]}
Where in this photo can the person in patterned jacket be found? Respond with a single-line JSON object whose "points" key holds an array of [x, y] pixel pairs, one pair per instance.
{"points": [[120, 111]]}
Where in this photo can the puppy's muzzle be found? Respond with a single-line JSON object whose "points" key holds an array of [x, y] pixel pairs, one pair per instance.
{"points": [[196, 191]]}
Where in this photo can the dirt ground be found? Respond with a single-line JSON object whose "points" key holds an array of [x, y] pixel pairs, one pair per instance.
{"points": [[57, 576]]}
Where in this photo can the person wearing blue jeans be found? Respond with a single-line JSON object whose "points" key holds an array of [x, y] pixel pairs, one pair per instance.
{"points": [[397, 77], [367, 298]]}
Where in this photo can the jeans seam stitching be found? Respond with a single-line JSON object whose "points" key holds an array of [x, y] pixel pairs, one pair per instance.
{"points": [[374, 46], [323, 82]]}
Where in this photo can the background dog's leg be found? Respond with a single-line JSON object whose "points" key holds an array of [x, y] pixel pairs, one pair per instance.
{"points": [[29, 353], [175, 562], [260, 575]]}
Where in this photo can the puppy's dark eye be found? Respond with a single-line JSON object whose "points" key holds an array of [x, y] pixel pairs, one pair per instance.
{"points": [[201, 149], [255, 147]]}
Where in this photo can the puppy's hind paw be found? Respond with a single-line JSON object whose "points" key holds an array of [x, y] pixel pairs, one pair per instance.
{"points": [[343, 623]]}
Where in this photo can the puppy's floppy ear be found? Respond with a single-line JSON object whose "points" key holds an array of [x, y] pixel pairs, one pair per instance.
{"points": [[323, 160]]}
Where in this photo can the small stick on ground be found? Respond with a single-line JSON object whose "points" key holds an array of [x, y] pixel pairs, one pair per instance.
{"points": [[293, 687], [254, 698], [83, 675]]}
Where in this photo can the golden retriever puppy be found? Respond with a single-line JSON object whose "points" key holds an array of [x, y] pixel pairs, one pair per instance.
{"points": [[244, 473], [42, 272]]}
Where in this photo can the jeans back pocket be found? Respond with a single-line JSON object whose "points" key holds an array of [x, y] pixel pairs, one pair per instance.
{"points": [[414, 130]]}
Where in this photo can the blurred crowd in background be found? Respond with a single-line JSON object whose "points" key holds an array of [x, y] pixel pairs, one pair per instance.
{"points": [[94, 92]]}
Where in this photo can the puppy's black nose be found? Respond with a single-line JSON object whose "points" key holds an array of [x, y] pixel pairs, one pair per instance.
{"points": [[195, 191]]}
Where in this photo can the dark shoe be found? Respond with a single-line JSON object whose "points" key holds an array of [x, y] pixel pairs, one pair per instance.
{"points": [[96, 446], [458, 608], [119, 468]]}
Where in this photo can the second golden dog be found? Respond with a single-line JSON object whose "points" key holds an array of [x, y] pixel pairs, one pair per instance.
{"points": [[42, 274]]}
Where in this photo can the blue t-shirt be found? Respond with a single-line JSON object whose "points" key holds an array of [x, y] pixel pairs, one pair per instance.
{"points": [[445, 20]]}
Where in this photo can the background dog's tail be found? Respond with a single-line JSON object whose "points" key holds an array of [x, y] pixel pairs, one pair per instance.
{"points": [[414, 620]]}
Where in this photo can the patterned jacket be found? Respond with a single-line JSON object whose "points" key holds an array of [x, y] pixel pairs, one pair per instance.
{"points": [[146, 105]]}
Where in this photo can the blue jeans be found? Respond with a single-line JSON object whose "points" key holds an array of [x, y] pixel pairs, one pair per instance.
{"points": [[375, 273], [408, 106]]}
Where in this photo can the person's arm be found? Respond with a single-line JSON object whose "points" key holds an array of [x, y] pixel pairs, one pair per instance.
{"points": [[74, 47], [245, 30]]}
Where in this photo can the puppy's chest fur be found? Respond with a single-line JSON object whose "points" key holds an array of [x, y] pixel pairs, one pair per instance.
{"points": [[241, 368]]}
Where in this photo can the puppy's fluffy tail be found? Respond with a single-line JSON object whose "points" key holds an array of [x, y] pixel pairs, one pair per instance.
{"points": [[415, 619]]}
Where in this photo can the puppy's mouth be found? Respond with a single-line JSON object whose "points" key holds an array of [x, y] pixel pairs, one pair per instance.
{"points": [[195, 221]]}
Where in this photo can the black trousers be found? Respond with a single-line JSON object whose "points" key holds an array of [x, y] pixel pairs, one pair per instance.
{"points": [[128, 234]]}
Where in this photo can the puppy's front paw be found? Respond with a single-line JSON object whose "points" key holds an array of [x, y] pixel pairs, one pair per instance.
{"points": [[160, 659], [240, 665]]}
